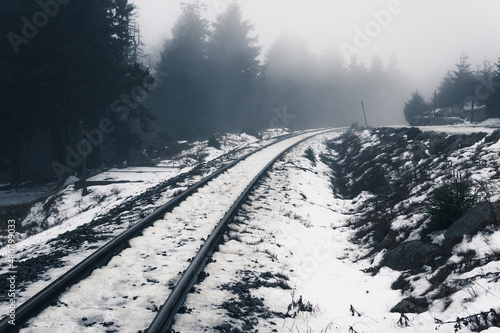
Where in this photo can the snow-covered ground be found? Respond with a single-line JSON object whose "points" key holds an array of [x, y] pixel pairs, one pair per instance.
{"points": [[293, 240], [125, 294], [49, 229]]}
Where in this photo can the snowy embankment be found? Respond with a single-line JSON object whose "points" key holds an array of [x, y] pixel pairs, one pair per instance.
{"points": [[306, 256]]}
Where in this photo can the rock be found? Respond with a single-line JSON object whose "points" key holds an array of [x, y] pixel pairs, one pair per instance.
{"points": [[451, 113], [493, 137], [419, 151], [435, 121], [473, 220], [464, 141], [410, 255], [438, 143], [419, 121], [423, 136], [412, 133], [411, 305]]}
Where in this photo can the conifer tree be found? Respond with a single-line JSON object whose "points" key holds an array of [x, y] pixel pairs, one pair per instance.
{"points": [[455, 86], [236, 72], [63, 71], [180, 101], [416, 106], [493, 102]]}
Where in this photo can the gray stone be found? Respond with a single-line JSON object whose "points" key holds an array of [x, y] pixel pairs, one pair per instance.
{"points": [[493, 137], [473, 220], [413, 132], [464, 141], [411, 305], [410, 255], [451, 112], [438, 143]]}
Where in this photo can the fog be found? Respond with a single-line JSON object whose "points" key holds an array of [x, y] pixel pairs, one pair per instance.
{"points": [[427, 37], [72, 67]]}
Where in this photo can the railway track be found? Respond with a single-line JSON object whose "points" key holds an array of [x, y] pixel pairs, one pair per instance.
{"points": [[123, 285]]}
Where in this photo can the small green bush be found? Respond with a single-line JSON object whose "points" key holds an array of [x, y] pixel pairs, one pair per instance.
{"points": [[310, 155], [450, 201]]}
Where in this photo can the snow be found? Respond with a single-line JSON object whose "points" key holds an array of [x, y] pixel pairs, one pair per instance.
{"points": [[293, 227], [68, 209], [73, 209], [300, 230], [153, 260], [21, 196]]}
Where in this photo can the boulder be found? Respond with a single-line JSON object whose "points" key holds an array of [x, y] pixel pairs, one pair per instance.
{"points": [[493, 137], [473, 220], [464, 141], [410, 255], [451, 113], [435, 121], [412, 133], [423, 136], [438, 142], [411, 305]]}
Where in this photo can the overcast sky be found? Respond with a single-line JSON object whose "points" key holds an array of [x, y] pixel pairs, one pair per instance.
{"points": [[427, 36]]}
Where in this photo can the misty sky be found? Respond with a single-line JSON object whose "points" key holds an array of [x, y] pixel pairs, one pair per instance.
{"points": [[427, 36]]}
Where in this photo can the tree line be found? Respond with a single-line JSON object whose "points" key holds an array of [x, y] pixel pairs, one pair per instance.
{"points": [[74, 89], [459, 88], [62, 63], [216, 81]]}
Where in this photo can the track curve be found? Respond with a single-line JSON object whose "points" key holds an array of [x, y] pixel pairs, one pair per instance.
{"points": [[241, 175]]}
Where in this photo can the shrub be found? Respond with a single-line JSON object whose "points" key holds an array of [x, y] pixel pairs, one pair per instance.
{"points": [[310, 155], [213, 142], [450, 201]]}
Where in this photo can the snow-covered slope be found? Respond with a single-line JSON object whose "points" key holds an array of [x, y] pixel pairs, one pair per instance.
{"points": [[309, 255], [323, 246]]}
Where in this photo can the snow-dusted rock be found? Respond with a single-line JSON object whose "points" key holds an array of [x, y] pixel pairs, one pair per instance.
{"points": [[410, 255], [477, 217], [435, 121], [451, 112]]}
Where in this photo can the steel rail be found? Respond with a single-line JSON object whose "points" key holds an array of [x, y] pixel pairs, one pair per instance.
{"points": [[43, 298], [165, 317]]}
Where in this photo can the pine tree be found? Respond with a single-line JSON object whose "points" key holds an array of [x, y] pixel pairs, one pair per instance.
{"points": [[414, 107], [236, 72], [289, 75], [493, 102], [455, 86], [180, 101], [69, 71]]}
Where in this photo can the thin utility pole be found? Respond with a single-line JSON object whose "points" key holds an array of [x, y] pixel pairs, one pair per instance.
{"points": [[84, 167], [435, 99], [364, 113]]}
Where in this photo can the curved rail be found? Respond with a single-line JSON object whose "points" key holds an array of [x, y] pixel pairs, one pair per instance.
{"points": [[164, 319], [43, 298]]}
